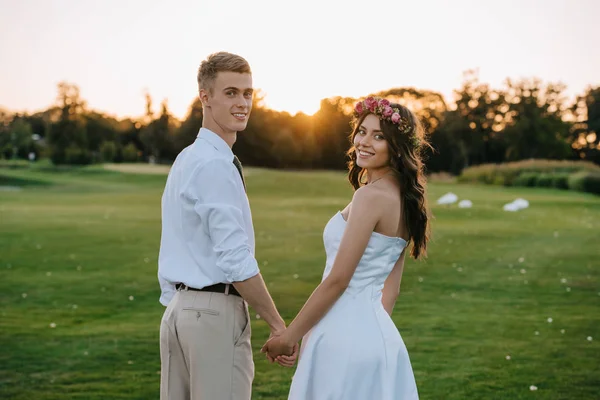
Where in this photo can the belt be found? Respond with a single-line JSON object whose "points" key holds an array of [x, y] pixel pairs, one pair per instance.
{"points": [[216, 288]]}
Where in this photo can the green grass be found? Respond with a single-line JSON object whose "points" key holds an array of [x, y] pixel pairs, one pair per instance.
{"points": [[75, 244]]}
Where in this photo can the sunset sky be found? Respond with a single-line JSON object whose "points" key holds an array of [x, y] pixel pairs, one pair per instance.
{"points": [[300, 51]]}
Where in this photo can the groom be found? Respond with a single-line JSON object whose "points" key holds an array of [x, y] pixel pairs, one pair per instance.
{"points": [[206, 268]]}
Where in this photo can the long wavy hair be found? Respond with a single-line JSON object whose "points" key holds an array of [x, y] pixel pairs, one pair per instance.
{"points": [[405, 150]]}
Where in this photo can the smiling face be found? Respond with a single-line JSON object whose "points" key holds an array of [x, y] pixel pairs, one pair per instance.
{"points": [[227, 104], [370, 146]]}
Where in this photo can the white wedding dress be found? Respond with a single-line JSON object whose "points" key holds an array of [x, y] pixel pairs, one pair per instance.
{"points": [[355, 352]]}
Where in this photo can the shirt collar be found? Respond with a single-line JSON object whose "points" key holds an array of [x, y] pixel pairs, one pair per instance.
{"points": [[217, 142]]}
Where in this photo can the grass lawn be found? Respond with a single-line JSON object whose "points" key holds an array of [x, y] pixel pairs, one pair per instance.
{"points": [[504, 301]]}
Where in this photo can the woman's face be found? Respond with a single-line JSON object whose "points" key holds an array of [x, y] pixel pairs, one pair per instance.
{"points": [[371, 147]]}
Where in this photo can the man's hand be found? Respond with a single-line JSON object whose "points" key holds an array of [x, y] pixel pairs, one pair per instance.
{"points": [[279, 348]]}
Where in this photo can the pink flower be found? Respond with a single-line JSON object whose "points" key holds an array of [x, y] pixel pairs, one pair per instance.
{"points": [[371, 103], [387, 111], [384, 102], [395, 117], [359, 107]]}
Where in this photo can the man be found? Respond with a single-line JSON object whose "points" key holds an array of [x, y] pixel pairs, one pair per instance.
{"points": [[206, 268]]}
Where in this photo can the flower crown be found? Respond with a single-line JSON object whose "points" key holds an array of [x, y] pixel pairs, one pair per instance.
{"points": [[383, 109]]}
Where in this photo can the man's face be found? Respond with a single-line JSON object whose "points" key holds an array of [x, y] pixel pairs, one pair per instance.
{"points": [[230, 102]]}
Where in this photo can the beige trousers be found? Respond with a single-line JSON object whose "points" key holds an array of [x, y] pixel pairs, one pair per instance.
{"points": [[205, 349]]}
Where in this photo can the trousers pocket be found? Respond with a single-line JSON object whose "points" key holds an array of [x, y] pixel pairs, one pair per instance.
{"points": [[201, 310], [245, 332]]}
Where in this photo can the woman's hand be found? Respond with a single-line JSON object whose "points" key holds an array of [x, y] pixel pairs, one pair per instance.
{"points": [[282, 350]]}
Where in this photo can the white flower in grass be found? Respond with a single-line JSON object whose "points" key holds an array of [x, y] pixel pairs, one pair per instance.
{"points": [[48, 273], [72, 256], [79, 268], [296, 276], [589, 338], [555, 234], [533, 388], [568, 289], [146, 260], [52, 325], [563, 280], [521, 259], [536, 333], [420, 279], [129, 362], [85, 353], [265, 263], [550, 320], [38, 246], [508, 357], [523, 270], [453, 295], [130, 298], [562, 331], [24, 295], [74, 306], [257, 316], [459, 269]]}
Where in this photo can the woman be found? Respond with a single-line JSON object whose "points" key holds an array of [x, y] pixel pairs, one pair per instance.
{"points": [[351, 348]]}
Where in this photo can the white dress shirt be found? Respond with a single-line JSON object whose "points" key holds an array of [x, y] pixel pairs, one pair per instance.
{"points": [[207, 234]]}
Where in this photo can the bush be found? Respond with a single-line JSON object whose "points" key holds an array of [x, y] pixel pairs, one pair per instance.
{"points": [[506, 174], [130, 153], [544, 180], [560, 181], [108, 150], [585, 182], [77, 156], [526, 179]]}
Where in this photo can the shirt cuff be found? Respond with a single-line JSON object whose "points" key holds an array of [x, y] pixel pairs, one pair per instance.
{"points": [[248, 269]]}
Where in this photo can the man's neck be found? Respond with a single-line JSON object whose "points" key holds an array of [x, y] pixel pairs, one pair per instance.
{"points": [[228, 137]]}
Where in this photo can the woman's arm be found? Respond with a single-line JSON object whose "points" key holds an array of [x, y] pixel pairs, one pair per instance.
{"points": [[391, 287], [359, 227]]}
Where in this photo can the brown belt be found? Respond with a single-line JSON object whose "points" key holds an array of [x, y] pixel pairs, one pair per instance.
{"points": [[216, 288]]}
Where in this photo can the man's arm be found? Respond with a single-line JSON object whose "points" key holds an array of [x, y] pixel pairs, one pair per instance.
{"points": [[255, 292], [215, 194]]}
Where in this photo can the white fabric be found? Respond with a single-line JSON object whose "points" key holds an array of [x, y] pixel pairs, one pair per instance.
{"points": [[207, 233], [356, 352]]}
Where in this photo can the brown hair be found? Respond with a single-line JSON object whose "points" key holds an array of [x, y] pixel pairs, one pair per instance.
{"points": [[406, 161], [220, 62]]}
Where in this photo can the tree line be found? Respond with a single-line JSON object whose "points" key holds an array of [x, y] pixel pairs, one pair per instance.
{"points": [[524, 119]]}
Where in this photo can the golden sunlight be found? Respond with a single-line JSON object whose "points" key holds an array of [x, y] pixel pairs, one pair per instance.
{"points": [[293, 104]]}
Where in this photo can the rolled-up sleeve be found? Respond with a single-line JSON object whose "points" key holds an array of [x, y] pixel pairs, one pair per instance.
{"points": [[218, 202]]}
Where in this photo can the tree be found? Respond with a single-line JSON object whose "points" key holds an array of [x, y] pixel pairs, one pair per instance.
{"points": [[585, 132], [535, 126], [157, 136], [69, 133]]}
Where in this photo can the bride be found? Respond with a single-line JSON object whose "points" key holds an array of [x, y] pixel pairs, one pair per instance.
{"points": [[351, 348]]}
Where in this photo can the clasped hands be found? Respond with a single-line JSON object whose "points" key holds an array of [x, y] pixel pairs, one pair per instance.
{"points": [[279, 348]]}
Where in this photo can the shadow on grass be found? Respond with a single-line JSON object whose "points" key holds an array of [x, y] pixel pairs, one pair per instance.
{"points": [[14, 181]]}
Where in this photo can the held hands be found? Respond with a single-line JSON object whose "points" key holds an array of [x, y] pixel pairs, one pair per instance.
{"points": [[280, 349]]}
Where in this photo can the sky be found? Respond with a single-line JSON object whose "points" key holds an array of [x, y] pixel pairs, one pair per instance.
{"points": [[300, 52]]}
